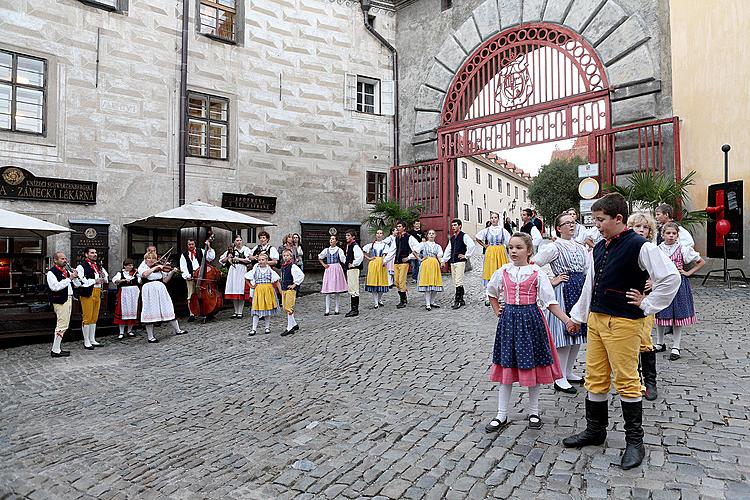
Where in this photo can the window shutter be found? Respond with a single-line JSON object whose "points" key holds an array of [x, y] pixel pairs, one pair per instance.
{"points": [[387, 98], [350, 91]]}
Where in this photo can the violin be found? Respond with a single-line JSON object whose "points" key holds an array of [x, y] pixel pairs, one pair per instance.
{"points": [[163, 262]]}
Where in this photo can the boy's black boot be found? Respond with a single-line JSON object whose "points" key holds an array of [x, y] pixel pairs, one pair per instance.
{"points": [[634, 452], [648, 370], [354, 309], [596, 426]]}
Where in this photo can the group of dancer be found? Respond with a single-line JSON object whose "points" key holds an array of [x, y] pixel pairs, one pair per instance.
{"points": [[606, 299]]}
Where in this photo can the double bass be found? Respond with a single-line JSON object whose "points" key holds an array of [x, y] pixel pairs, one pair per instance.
{"points": [[207, 299]]}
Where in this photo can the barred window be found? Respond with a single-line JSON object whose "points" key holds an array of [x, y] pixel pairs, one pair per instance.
{"points": [[217, 18], [208, 126], [377, 187], [23, 84]]}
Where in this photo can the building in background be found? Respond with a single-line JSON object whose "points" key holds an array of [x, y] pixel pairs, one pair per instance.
{"points": [[487, 183]]}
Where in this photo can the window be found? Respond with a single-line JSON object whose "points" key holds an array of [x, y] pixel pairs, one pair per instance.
{"points": [[140, 238], [507, 187], [499, 185], [489, 181], [485, 201], [479, 176], [113, 5], [466, 212], [377, 187], [22, 264], [217, 18], [208, 126], [524, 196], [368, 93], [516, 190], [22, 93], [464, 170], [472, 196], [479, 215], [445, 5]]}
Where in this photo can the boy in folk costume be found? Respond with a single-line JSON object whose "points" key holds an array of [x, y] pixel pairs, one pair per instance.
{"points": [[353, 265], [190, 261], [93, 278], [494, 238], [460, 248], [404, 244], [291, 278], [614, 309], [128, 293], [263, 281], [60, 280]]}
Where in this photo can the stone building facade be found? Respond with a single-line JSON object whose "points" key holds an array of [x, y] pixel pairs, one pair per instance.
{"points": [[283, 94]]}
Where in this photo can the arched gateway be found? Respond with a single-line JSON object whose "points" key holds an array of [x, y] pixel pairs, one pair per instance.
{"points": [[529, 84]]}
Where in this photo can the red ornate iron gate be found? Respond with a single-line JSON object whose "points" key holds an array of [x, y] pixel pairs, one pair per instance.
{"points": [[530, 84]]}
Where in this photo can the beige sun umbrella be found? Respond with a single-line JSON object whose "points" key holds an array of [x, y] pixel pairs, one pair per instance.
{"points": [[199, 214], [13, 224]]}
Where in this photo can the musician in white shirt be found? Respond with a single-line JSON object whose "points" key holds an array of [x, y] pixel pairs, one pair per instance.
{"points": [[190, 261]]}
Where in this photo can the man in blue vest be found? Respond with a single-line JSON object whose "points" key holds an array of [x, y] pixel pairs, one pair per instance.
{"points": [[614, 307]]}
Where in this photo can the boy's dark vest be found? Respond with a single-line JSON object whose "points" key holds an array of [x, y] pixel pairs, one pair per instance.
{"points": [[88, 272], [189, 263], [60, 296], [350, 256], [403, 250], [526, 228], [458, 247], [286, 277], [616, 271]]}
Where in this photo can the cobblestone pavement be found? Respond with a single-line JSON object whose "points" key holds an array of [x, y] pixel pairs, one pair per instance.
{"points": [[390, 404]]}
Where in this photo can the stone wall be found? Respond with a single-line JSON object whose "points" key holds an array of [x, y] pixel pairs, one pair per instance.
{"points": [[630, 36], [290, 136]]}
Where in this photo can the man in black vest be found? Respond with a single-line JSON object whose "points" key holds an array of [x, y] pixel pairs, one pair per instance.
{"points": [[405, 244], [94, 279], [190, 260], [460, 248], [530, 228], [419, 235], [353, 266], [614, 307], [60, 279]]}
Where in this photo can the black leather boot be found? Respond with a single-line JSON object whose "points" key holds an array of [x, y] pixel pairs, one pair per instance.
{"points": [[354, 309], [461, 302], [648, 370], [402, 303], [596, 426], [634, 452], [455, 300]]}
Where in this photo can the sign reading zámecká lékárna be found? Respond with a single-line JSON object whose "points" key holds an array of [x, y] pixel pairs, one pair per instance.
{"points": [[19, 184]]}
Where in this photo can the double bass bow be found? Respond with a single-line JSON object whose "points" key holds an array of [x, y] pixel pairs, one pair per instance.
{"points": [[207, 299]]}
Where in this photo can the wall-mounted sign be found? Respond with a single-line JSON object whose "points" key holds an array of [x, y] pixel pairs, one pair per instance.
{"points": [[316, 235], [20, 184], [586, 206], [89, 233], [248, 202], [588, 170]]}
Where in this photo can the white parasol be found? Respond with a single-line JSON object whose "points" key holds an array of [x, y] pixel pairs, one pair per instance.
{"points": [[13, 224], [199, 214]]}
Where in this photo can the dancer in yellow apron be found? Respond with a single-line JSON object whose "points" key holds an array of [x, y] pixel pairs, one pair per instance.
{"points": [[493, 238]]}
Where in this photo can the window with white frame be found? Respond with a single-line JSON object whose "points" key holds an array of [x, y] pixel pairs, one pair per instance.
{"points": [[218, 19], [377, 187], [464, 170], [489, 181], [113, 5], [479, 176], [479, 215], [23, 87], [466, 212], [208, 126], [369, 95], [500, 185]]}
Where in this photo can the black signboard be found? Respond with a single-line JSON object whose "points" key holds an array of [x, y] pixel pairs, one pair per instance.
{"points": [[89, 234], [249, 202], [729, 196], [19, 184], [315, 238]]}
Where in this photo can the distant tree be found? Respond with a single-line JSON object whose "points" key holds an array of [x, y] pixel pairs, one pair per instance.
{"points": [[555, 188]]}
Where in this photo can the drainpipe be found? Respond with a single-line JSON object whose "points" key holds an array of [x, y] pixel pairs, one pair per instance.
{"points": [[366, 5], [183, 101]]}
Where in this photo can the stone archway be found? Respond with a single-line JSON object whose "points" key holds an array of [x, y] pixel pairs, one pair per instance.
{"points": [[619, 37]]}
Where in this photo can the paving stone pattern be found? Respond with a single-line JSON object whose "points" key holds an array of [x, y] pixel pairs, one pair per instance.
{"points": [[388, 405]]}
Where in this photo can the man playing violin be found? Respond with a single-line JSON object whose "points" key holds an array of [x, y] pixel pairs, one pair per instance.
{"points": [[191, 260]]}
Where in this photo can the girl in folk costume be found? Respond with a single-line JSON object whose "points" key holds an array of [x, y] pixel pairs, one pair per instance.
{"points": [[377, 273], [494, 238], [569, 261], [264, 281], [126, 312], [681, 312], [157, 304], [334, 279], [390, 241], [430, 281], [291, 278], [524, 351], [644, 225], [237, 257]]}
